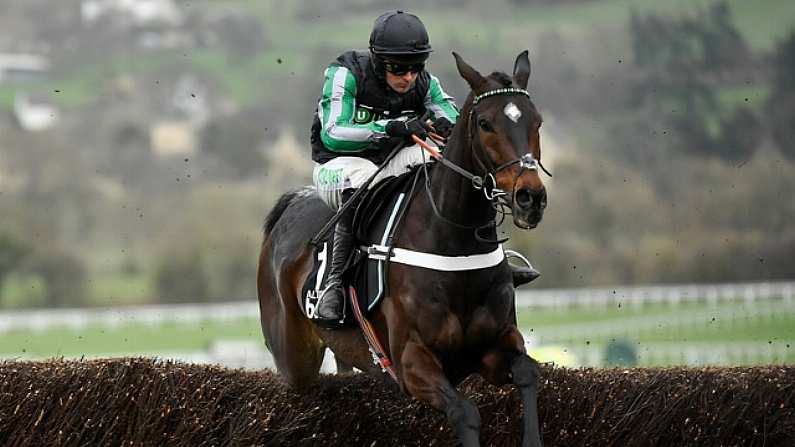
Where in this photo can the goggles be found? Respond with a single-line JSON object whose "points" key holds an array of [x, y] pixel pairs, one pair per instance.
{"points": [[400, 69]]}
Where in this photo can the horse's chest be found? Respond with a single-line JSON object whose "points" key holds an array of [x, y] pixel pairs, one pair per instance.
{"points": [[449, 330]]}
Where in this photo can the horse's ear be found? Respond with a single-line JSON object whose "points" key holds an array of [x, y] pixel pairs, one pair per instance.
{"points": [[475, 80], [521, 70]]}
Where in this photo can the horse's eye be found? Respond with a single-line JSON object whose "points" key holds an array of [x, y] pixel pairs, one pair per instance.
{"points": [[485, 125]]}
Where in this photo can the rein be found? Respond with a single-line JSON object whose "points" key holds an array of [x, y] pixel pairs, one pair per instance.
{"points": [[493, 194], [477, 183]]}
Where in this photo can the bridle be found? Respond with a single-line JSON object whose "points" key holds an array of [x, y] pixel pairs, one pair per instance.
{"points": [[525, 162], [488, 181]]}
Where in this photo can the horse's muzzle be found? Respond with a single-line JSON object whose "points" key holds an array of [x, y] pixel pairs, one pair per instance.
{"points": [[528, 207]]}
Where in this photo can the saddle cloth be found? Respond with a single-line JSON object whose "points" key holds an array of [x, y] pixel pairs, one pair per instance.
{"points": [[374, 220]]}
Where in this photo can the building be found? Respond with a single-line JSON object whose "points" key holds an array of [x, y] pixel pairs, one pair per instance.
{"points": [[134, 12], [23, 67]]}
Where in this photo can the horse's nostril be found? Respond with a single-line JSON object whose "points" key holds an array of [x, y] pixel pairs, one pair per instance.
{"points": [[524, 198]]}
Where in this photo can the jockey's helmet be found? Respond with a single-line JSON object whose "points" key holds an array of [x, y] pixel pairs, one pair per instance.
{"points": [[399, 37]]}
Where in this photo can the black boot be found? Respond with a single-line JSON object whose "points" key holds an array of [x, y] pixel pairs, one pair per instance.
{"points": [[332, 302], [524, 274]]}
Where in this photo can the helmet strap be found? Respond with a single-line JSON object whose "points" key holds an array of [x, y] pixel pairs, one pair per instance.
{"points": [[378, 67]]}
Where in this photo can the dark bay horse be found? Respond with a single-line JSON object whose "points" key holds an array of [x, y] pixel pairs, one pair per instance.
{"points": [[437, 327]]}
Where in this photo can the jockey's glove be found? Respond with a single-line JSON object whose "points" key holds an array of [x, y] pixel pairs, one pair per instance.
{"points": [[443, 127], [405, 129]]}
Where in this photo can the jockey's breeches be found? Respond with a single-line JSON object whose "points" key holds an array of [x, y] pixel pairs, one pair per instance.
{"points": [[350, 172]]}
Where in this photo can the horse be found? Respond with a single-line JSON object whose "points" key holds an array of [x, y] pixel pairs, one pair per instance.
{"points": [[437, 327]]}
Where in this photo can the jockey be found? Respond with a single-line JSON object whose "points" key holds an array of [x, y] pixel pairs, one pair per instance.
{"points": [[370, 101]]}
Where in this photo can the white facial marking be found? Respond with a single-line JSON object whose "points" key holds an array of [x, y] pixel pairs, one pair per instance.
{"points": [[512, 112]]}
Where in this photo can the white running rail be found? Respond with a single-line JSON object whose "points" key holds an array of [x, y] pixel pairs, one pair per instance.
{"points": [[545, 298]]}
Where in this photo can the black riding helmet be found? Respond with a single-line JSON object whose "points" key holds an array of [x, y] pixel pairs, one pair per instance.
{"points": [[398, 37]]}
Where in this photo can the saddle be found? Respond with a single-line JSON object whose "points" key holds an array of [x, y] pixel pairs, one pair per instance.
{"points": [[375, 220]]}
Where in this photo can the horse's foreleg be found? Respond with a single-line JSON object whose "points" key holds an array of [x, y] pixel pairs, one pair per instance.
{"points": [[525, 373], [509, 362], [423, 378]]}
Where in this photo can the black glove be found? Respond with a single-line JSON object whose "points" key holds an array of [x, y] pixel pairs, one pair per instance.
{"points": [[405, 129], [443, 127]]}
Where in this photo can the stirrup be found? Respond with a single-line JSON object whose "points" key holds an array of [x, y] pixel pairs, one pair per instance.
{"points": [[516, 254], [521, 275]]}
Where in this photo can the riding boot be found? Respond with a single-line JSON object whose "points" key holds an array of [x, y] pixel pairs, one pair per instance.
{"points": [[523, 275], [332, 302]]}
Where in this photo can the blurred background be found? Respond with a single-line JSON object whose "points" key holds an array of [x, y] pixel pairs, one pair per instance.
{"points": [[142, 142]]}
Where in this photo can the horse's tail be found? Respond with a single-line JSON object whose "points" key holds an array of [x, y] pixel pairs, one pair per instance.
{"points": [[277, 211]]}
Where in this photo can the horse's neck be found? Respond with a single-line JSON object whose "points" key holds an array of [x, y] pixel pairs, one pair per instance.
{"points": [[457, 200]]}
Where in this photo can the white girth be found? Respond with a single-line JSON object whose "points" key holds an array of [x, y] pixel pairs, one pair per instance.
{"points": [[436, 262]]}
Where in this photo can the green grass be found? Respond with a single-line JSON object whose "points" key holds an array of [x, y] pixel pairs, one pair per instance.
{"points": [[248, 81], [763, 22], [781, 327], [127, 339], [530, 317], [82, 83], [753, 330], [28, 291], [752, 96], [21, 291], [7, 93], [119, 290]]}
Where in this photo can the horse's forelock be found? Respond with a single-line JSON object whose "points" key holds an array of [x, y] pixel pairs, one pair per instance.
{"points": [[499, 77], [502, 78]]}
